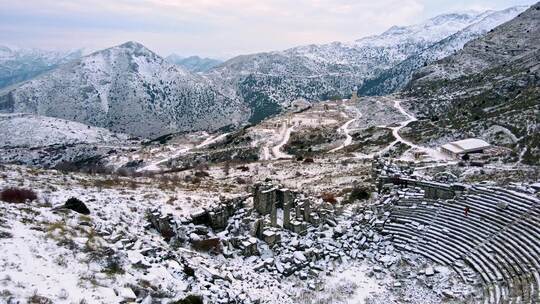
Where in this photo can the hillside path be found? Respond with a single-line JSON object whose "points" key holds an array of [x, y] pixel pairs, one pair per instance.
{"points": [[285, 135]]}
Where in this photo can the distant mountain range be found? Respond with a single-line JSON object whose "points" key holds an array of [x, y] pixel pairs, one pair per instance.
{"points": [[194, 64], [18, 65], [490, 88], [398, 76], [130, 89], [269, 81]]}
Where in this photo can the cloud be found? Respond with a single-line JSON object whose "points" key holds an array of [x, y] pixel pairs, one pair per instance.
{"points": [[205, 27]]}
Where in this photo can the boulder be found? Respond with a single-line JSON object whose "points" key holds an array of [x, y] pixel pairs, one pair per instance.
{"points": [[76, 205], [299, 256], [191, 299], [127, 294]]}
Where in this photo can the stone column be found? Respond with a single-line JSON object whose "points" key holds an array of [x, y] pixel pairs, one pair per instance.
{"points": [[256, 196], [298, 210], [287, 204], [273, 214], [307, 211], [266, 198]]}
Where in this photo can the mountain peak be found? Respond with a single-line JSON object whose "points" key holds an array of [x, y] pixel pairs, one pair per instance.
{"points": [[194, 63], [133, 45], [130, 48], [431, 30]]}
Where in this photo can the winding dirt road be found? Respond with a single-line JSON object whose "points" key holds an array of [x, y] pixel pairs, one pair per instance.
{"points": [[285, 135]]}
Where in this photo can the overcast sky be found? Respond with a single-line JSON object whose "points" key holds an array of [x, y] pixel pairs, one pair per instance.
{"points": [[216, 28]]}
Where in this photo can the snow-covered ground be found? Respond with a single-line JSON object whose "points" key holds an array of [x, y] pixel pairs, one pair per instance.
{"points": [[66, 257], [30, 130]]}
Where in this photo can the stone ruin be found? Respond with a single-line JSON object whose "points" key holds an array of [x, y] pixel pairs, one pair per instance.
{"points": [[274, 209], [215, 217], [295, 210], [415, 233]]}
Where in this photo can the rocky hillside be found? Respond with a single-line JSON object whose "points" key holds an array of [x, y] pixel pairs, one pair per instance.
{"points": [[488, 89], [269, 81], [194, 64], [397, 77], [17, 65], [128, 89]]}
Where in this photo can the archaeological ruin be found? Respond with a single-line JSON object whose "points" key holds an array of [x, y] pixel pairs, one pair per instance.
{"points": [[487, 238]]}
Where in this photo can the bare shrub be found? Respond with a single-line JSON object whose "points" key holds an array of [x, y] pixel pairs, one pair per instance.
{"points": [[241, 181], [37, 299], [202, 174], [201, 167], [113, 266], [243, 168], [227, 168], [308, 160], [192, 179], [358, 194], [17, 195], [329, 197]]}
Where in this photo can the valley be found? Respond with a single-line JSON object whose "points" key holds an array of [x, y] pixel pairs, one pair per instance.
{"points": [[325, 153]]}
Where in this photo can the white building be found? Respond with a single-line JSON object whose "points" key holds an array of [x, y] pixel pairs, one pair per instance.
{"points": [[465, 146]]}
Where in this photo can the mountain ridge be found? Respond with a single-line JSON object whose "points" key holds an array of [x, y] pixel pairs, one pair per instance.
{"points": [[397, 77], [122, 86], [20, 64], [194, 63], [492, 83], [116, 90]]}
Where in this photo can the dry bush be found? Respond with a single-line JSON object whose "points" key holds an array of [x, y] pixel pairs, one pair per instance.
{"points": [[165, 182], [17, 195], [171, 200], [241, 181], [201, 167], [243, 168], [128, 172], [308, 160], [133, 185], [359, 194], [107, 183], [226, 168], [37, 299], [329, 197], [202, 174]]}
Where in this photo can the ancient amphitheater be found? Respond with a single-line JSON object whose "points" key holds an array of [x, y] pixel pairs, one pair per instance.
{"points": [[496, 245]]}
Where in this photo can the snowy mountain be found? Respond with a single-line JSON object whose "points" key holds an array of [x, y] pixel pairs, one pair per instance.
{"points": [[119, 87], [194, 64], [489, 88], [129, 89], [17, 65], [269, 81], [398, 76]]}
